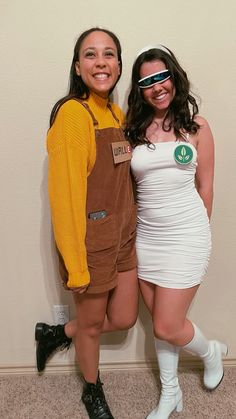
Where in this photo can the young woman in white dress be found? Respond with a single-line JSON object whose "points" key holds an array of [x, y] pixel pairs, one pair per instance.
{"points": [[173, 166]]}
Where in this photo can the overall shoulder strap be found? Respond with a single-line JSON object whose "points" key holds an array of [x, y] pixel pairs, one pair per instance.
{"points": [[85, 105], [113, 113]]}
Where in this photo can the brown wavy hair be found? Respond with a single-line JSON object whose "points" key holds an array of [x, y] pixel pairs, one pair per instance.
{"points": [[182, 110]]}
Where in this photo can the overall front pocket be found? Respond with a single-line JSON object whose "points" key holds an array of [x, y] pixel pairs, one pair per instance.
{"points": [[102, 241]]}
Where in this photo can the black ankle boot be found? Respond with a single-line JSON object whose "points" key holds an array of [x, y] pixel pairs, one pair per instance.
{"points": [[94, 400], [49, 338]]}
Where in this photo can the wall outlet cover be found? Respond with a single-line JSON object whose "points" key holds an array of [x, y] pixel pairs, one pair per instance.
{"points": [[61, 314]]}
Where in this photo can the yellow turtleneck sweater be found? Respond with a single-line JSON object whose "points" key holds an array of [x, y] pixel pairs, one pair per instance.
{"points": [[72, 152]]}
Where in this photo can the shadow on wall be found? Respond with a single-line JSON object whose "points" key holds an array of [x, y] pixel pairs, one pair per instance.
{"points": [[144, 350]]}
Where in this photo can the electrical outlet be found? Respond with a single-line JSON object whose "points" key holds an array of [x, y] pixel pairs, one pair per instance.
{"points": [[61, 314]]}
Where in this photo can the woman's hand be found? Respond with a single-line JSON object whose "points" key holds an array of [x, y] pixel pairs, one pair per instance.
{"points": [[79, 290]]}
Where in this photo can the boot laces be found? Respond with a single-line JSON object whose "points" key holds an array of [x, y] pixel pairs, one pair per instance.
{"points": [[97, 399], [65, 345]]}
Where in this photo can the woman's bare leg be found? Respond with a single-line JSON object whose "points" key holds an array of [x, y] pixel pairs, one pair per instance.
{"points": [[90, 310], [170, 307], [122, 307]]}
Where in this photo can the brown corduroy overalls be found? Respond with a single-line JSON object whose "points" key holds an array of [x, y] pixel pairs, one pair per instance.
{"points": [[110, 240]]}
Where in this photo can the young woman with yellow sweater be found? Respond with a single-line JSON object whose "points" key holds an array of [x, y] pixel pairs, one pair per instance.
{"points": [[93, 211]]}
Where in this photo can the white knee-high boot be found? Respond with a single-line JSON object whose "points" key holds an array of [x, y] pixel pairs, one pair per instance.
{"points": [[171, 394], [210, 351]]}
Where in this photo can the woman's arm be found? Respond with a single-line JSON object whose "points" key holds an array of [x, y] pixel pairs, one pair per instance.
{"points": [[205, 168], [68, 145]]}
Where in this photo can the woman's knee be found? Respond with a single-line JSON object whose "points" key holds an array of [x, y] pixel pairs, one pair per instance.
{"points": [[123, 322], [91, 329], [168, 331], [130, 321]]}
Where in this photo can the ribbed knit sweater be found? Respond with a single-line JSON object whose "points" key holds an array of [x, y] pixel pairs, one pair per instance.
{"points": [[72, 152]]}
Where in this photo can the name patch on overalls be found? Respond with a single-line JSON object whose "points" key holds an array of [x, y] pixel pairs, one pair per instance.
{"points": [[121, 151]]}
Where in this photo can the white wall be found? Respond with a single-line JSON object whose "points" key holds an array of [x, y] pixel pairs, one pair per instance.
{"points": [[37, 40]]}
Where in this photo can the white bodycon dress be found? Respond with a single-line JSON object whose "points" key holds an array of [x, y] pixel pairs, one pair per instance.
{"points": [[173, 234]]}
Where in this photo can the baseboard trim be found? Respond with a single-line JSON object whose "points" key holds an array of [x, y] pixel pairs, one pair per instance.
{"points": [[189, 363]]}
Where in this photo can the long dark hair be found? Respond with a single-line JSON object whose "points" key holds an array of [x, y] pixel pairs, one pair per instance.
{"points": [[77, 88], [182, 110]]}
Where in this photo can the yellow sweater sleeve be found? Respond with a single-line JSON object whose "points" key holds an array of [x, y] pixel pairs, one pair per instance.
{"points": [[71, 150]]}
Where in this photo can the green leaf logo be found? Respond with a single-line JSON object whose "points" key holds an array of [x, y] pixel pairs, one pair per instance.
{"points": [[183, 154]]}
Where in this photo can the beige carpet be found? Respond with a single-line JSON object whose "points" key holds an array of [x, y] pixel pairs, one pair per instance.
{"points": [[131, 394]]}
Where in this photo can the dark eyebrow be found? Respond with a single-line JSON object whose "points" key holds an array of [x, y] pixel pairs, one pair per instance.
{"points": [[93, 48]]}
